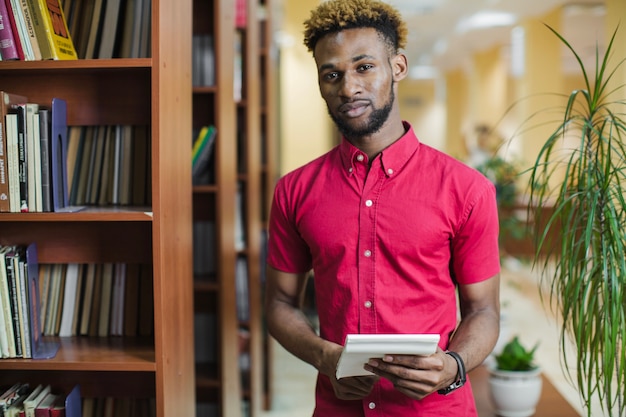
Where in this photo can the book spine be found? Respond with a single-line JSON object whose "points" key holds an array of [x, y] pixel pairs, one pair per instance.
{"points": [[30, 30], [52, 16], [5, 205], [14, 294], [44, 137], [41, 28], [8, 47], [14, 30], [12, 165], [22, 157], [22, 32]]}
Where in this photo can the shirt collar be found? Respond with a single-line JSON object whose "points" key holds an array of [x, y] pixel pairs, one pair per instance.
{"points": [[393, 158]]}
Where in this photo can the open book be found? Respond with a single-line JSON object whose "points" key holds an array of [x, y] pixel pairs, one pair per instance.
{"points": [[359, 348]]}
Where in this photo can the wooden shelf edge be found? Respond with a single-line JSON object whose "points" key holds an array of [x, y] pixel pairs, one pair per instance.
{"points": [[135, 354]]}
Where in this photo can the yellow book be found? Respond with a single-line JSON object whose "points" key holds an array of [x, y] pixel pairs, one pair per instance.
{"points": [[51, 29]]}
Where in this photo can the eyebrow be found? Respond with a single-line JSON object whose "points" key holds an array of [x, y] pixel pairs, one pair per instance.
{"points": [[354, 59]]}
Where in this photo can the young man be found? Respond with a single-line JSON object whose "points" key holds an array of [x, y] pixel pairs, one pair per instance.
{"points": [[391, 229]]}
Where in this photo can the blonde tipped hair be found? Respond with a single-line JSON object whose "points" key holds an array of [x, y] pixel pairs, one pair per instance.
{"points": [[336, 15]]}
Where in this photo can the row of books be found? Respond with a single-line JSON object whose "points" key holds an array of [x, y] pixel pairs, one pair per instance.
{"points": [[32, 30], [32, 148], [97, 300], [109, 165], [109, 28], [20, 327], [203, 60], [23, 400]]}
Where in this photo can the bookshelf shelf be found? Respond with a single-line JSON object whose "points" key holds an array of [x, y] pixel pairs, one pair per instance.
{"points": [[100, 214], [93, 354]]}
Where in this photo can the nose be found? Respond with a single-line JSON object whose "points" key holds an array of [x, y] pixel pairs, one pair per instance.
{"points": [[349, 86]]}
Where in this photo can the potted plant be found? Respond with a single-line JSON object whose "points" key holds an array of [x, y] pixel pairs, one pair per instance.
{"points": [[515, 381], [580, 199]]}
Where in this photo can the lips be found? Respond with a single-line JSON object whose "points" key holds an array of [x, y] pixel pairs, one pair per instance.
{"points": [[353, 109]]}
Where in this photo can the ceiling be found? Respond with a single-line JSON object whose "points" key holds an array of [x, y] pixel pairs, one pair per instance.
{"points": [[440, 36]]}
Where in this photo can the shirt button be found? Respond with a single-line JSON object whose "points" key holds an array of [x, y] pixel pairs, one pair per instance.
{"points": [[350, 169], [360, 157], [367, 253], [390, 171], [369, 203], [368, 304], [372, 405]]}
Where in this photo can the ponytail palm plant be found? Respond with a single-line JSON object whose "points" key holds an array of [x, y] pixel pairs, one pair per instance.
{"points": [[581, 241]]}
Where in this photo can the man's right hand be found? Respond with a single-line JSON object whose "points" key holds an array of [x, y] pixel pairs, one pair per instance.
{"points": [[353, 388]]}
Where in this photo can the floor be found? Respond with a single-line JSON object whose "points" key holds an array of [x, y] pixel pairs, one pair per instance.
{"points": [[523, 315]]}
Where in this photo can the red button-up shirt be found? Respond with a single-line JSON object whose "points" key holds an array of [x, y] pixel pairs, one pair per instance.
{"points": [[387, 244]]}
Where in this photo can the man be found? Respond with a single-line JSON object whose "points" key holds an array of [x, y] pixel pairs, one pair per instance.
{"points": [[391, 229]]}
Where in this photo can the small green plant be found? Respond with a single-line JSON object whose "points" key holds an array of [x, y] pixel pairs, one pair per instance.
{"points": [[515, 357]]}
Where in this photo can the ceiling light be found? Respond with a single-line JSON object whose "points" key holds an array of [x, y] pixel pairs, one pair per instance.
{"points": [[485, 20]]}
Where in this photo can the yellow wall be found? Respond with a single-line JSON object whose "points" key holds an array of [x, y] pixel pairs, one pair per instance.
{"points": [[304, 122]]}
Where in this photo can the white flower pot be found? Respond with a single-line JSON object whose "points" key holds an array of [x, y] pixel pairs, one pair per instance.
{"points": [[515, 393]]}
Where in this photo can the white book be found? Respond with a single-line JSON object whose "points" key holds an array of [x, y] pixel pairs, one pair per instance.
{"points": [[359, 348], [12, 162], [33, 156], [69, 300]]}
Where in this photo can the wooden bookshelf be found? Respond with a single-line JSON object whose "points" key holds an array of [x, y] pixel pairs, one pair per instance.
{"points": [[154, 92], [235, 385]]}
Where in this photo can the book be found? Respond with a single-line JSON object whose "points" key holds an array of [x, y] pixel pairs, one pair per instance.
{"points": [[93, 40], [15, 8], [14, 30], [30, 30], [43, 408], [13, 162], [359, 348], [94, 316], [8, 101], [34, 398], [14, 395], [69, 300], [22, 160], [90, 276], [12, 279], [110, 28], [6, 330], [45, 168], [202, 153], [23, 302], [8, 47], [106, 293], [33, 154], [51, 30]]}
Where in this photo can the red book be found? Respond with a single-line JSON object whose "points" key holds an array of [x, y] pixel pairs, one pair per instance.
{"points": [[13, 26], [8, 47], [44, 407]]}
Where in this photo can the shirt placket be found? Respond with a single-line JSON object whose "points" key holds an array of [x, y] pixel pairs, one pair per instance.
{"points": [[367, 248]]}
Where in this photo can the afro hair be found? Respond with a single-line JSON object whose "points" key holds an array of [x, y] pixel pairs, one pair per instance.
{"points": [[333, 16]]}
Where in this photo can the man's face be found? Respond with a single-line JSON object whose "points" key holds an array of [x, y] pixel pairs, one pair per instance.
{"points": [[356, 80]]}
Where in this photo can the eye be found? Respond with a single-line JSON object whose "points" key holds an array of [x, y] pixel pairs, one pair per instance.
{"points": [[330, 76], [365, 67]]}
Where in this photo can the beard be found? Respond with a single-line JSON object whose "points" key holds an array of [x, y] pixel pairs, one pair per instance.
{"points": [[372, 125]]}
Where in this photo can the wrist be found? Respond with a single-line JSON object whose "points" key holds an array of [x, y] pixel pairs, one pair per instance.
{"points": [[461, 375]]}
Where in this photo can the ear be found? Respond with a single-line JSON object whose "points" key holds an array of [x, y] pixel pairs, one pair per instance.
{"points": [[399, 66]]}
